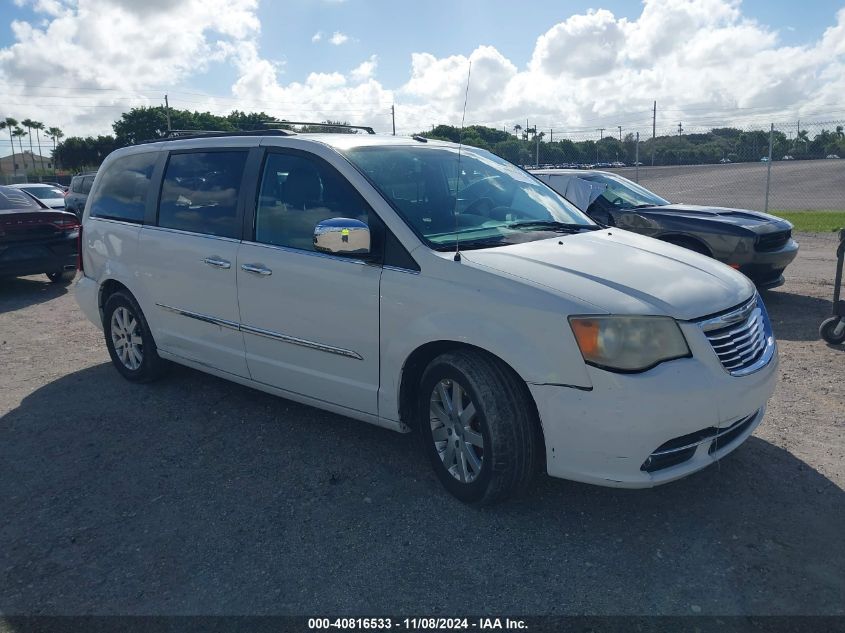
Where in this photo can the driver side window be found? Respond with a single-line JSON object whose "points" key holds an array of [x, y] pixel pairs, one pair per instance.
{"points": [[296, 194]]}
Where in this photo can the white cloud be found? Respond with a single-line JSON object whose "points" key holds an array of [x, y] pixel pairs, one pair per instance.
{"points": [[338, 38], [701, 60], [365, 69]]}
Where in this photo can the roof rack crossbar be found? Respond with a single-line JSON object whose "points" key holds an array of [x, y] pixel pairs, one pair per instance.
{"points": [[365, 128]]}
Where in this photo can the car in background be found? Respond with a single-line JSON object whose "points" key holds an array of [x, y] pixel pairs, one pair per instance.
{"points": [[50, 196], [832, 156], [765, 159], [35, 239], [59, 185], [725, 161], [77, 195], [757, 244], [788, 157]]}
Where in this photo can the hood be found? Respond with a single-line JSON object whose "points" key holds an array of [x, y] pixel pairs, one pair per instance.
{"points": [[622, 273], [739, 217]]}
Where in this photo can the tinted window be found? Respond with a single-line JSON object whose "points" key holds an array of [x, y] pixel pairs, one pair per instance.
{"points": [[15, 199], [299, 192], [200, 192], [86, 184], [75, 184], [123, 189]]}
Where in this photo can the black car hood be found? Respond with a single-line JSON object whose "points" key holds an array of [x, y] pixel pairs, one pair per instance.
{"points": [[738, 217]]}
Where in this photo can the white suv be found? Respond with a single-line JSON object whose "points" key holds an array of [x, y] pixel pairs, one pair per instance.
{"points": [[417, 285]]}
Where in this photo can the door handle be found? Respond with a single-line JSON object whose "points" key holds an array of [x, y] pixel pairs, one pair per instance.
{"points": [[217, 262], [256, 269]]}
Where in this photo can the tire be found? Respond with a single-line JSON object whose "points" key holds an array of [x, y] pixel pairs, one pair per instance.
{"points": [[121, 316], [62, 277], [504, 421], [826, 331]]}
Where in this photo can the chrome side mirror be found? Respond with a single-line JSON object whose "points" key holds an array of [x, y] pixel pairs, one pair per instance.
{"points": [[342, 236]]}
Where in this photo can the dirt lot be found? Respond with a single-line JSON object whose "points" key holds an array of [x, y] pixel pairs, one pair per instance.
{"points": [[795, 185], [194, 495]]}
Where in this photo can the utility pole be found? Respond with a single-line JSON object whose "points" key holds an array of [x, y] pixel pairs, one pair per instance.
{"points": [[620, 133], [653, 132], [167, 112], [680, 131], [551, 135], [769, 167], [393, 117], [637, 159], [600, 130]]}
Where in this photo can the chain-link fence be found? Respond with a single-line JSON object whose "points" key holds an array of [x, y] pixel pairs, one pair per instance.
{"points": [[787, 167]]}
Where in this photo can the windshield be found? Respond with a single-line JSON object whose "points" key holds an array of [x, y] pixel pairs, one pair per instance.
{"points": [[624, 193], [45, 193], [489, 201]]}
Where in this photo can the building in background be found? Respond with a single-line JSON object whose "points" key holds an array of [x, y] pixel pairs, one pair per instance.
{"points": [[24, 163]]}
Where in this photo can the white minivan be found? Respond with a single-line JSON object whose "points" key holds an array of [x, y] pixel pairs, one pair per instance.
{"points": [[418, 285]]}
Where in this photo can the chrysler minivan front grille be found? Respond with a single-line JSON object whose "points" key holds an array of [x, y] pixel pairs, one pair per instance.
{"points": [[741, 338]]}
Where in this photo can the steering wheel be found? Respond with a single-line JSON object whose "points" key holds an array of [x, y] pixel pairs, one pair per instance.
{"points": [[477, 203]]}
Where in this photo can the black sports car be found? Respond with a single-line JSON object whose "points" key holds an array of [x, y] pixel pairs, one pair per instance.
{"points": [[36, 239], [757, 244]]}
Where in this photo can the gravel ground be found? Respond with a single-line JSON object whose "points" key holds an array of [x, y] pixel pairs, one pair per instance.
{"points": [[197, 496], [795, 185]]}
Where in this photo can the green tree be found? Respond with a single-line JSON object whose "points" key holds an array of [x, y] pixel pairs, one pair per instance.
{"points": [[27, 123], [10, 124], [18, 133]]}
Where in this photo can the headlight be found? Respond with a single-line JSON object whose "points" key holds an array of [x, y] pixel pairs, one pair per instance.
{"points": [[628, 343]]}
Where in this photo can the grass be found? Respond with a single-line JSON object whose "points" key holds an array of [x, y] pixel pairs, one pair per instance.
{"points": [[814, 221]]}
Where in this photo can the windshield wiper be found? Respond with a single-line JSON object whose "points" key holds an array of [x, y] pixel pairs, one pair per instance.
{"points": [[552, 225]]}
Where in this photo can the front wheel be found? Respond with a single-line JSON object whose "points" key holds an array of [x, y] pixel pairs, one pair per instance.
{"points": [[129, 340], [478, 426], [832, 330]]}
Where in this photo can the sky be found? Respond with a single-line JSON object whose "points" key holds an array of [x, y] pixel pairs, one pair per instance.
{"points": [[568, 66]]}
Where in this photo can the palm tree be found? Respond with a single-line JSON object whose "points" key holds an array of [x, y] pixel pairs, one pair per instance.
{"points": [[839, 132], [10, 123], [19, 134], [27, 123], [55, 134], [38, 126], [517, 129]]}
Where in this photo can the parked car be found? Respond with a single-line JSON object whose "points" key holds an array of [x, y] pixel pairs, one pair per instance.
{"points": [[77, 195], [788, 157], [48, 195], [378, 278], [35, 239], [832, 156], [725, 161], [765, 159], [57, 185], [757, 244]]}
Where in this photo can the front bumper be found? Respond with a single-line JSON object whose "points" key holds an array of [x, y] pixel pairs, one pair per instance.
{"points": [[606, 435], [765, 268]]}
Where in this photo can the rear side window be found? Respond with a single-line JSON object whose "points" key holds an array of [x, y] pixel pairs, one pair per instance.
{"points": [[86, 184], [15, 199], [200, 192], [123, 189], [76, 185]]}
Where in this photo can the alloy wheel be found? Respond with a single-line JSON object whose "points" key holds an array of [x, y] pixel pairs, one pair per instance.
{"points": [[456, 430], [126, 337]]}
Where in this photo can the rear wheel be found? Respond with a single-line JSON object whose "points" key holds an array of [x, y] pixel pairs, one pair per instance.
{"points": [[62, 277], [478, 427], [832, 330], [129, 340]]}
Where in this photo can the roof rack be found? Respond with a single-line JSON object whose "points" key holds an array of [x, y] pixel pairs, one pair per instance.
{"points": [[178, 135], [365, 128]]}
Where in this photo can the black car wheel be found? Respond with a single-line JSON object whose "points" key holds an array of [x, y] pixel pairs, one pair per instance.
{"points": [[62, 277]]}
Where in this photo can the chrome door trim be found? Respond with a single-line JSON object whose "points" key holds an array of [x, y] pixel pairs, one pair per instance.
{"points": [[277, 336], [205, 318], [300, 251], [331, 349], [165, 229]]}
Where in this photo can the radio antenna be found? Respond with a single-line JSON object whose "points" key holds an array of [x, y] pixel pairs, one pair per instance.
{"points": [[458, 181]]}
